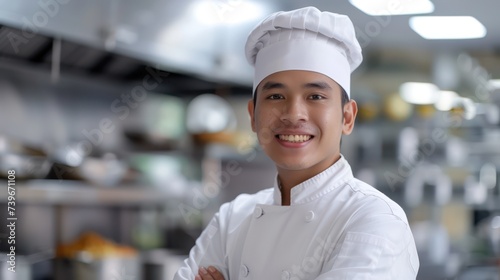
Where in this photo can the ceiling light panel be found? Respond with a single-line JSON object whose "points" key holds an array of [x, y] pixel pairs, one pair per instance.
{"points": [[447, 27], [393, 7]]}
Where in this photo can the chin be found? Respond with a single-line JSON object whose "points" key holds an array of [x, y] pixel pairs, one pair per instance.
{"points": [[293, 165]]}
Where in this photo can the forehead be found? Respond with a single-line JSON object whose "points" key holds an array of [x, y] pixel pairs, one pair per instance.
{"points": [[298, 78]]}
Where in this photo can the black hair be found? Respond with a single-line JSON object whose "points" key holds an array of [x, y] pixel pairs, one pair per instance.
{"points": [[345, 97]]}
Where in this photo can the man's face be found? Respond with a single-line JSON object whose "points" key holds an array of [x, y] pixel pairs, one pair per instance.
{"points": [[299, 121]]}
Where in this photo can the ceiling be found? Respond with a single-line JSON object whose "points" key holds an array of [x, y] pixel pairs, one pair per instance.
{"points": [[119, 37], [396, 33]]}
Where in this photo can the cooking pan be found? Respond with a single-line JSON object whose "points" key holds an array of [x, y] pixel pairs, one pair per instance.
{"points": [[28, 162]]}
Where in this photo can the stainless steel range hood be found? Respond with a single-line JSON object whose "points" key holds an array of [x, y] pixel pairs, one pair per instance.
{"points": [[176, 36]]}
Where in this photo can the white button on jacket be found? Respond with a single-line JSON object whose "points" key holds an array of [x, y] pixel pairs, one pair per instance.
{"points": [[309, 216], [244, 270], [258, 212], [285, 275], [336, 227]]}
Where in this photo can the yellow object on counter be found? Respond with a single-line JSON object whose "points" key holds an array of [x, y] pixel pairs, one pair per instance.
{"points": [[425, 111], [238, 139], [368, 111], [396, 109], [94, 246]]}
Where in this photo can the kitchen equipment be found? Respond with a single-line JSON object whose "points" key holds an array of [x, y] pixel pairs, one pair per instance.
{"points": [[22, 268], [92, 257], [25, 166], [85, 268], [209, 113], [28, 162], [146, 233], [157, 124], [431, 237], [145, 141], [167, 172], [161, 264], [10, 145], [109, 268], [23, 265], [96, 171], [103, 169]]}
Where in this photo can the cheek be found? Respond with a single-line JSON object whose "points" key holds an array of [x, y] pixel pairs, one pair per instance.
{"points": [[265, 136], [265, 117], [330, 123], [263, 126]]}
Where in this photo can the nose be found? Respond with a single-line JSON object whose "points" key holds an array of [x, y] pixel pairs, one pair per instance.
{"points": [[294, 111]]}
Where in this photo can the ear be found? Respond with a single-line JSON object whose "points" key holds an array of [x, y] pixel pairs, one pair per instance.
{"points": [[350, 112], [251, 113]]}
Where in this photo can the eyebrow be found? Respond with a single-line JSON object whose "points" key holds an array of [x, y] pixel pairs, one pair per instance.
{"points": [[272, 85], [315, 85], [318, 85]]}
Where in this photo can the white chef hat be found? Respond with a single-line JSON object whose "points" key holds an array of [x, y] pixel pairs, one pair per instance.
{"points": [[304, 39]]}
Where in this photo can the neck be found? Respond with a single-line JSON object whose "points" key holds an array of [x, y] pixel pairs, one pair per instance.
{"points": [[287, 179], [285, 193]]}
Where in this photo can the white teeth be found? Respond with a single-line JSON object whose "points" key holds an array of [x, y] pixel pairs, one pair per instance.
{"points": [[295, 138]]}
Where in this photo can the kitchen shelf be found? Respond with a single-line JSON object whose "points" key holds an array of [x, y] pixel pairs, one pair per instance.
{"points": [[492, 204], [68, 192]]}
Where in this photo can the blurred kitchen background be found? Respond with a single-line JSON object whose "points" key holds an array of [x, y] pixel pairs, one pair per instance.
{"points": [[126, 124]]}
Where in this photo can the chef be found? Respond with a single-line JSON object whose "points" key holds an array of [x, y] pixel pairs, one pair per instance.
{"points": [[317, 221]]}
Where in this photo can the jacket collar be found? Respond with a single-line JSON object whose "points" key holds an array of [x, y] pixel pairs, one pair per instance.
{"points": [[319, 185]]}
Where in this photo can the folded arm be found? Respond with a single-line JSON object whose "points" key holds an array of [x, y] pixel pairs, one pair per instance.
{"points": [[210, 250]]}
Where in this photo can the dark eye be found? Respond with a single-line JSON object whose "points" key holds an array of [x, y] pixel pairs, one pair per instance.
{"points": [[316, 97], [275, 96]]}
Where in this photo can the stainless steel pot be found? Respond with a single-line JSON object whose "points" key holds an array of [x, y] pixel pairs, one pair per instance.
{"points": [[22, 269], [161, 264], [23, 265], [104, 269]]}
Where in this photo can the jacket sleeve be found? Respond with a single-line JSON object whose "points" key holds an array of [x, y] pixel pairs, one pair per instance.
{"points": [[377, 246], [210, 248]]}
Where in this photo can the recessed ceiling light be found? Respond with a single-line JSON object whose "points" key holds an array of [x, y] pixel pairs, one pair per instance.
{"points": [[393, 7], [419, 93], [448, 27]]}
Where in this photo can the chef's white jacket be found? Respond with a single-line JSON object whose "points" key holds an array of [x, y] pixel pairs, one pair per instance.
{"points": [[336, 227]]}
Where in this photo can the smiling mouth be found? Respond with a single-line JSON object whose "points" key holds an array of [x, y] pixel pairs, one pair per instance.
{"points": [[294, 138]]}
